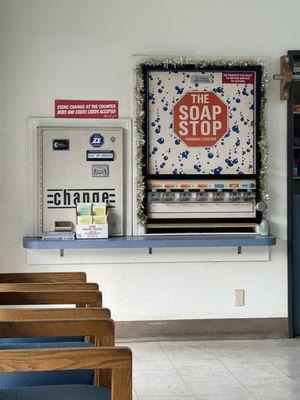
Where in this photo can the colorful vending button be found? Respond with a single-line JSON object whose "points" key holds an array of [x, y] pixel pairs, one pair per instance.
{"points": [[202, 185], [185, 186], [247, 185], [155, 186]]}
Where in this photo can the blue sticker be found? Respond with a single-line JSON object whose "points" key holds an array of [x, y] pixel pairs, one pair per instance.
{"points": [[96, 140]]}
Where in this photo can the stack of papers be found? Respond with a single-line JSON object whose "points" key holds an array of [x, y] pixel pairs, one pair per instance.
{"points": [[58, 236]]}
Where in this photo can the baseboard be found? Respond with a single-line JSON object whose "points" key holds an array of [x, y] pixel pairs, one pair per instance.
{"points": [[197, 329]]}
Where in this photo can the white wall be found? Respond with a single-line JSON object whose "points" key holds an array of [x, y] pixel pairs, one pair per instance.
{"points": [[82, 50]]}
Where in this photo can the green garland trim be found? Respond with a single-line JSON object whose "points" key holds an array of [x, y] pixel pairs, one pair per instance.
{"points": [[176, 62]]}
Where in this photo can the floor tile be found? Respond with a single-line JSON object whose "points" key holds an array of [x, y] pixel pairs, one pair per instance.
{"points": [[218, 389], [288, 356], [260, 373], [210, 382], [141, 366], [150, 351], [168, 398], [244, 361], [229, 345], [178, 351], [270, 386], [217, 370], [199, 364], [134, 395], [206, 375], [279, 396], [182, 343], [226, 396], [165, 387], [159, 382]]}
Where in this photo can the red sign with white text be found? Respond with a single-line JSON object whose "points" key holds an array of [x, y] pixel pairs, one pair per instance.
{"points": [[87, 109], [237, 77], [200, 118]]}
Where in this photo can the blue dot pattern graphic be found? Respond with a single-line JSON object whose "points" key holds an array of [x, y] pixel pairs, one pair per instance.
{"points": [[168, 154]]}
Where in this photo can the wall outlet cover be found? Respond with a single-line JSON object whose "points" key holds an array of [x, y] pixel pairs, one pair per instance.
{"points": [[239, 297]]}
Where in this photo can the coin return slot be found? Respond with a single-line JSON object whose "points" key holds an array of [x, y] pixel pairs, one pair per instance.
{"points": [[154, 196], [235, 195], [219, 195], [202, 195], [185, 196], [168, 196]]}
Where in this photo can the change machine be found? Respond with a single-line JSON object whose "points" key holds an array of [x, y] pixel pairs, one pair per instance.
{"points": [[79, 165]]}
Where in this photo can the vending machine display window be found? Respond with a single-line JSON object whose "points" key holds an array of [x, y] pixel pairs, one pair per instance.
{"points": [[201, 152]]}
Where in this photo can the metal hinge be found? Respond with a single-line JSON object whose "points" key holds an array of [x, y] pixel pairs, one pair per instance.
{"points": [[285, 77]]}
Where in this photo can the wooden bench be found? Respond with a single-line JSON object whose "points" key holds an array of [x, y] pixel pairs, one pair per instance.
{"points": [[34, 287], [43, 277], [9, 314], [79, 298], [102, 331], [118, 360]]}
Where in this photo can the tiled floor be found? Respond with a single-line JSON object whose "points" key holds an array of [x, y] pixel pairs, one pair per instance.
{"points": [[217, 370]]}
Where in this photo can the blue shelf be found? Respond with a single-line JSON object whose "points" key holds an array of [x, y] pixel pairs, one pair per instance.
{"points": [[137, 242]]}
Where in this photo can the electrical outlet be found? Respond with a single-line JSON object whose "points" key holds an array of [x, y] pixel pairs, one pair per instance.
{"points": [[239, 297]]}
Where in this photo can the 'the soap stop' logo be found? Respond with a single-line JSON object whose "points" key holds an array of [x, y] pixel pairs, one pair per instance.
{"points": [[200, 118]]}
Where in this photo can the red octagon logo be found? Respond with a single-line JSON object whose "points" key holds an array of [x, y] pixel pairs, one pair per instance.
{"points": [[200, 118]]}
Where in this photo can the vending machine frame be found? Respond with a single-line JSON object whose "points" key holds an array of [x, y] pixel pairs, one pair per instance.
{"points": [[243, 224]]}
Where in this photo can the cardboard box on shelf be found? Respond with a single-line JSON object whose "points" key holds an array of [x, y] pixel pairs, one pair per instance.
{"points": [[92, 221]]}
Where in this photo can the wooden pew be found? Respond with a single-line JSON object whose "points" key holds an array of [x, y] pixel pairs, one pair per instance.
{"points": [[79, 298], [102, 331], [15, 314], [43, 277], [118, 360], [32, 287]]}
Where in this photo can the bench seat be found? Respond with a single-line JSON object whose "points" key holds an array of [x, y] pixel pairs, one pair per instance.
{"points": [[60, 392]]}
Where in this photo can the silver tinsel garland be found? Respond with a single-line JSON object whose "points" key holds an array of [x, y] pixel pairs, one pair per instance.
{"points": [[175, 62]]}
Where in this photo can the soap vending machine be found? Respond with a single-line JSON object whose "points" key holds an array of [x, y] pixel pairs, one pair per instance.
{"points": [[201, 153], [79, 165]]}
